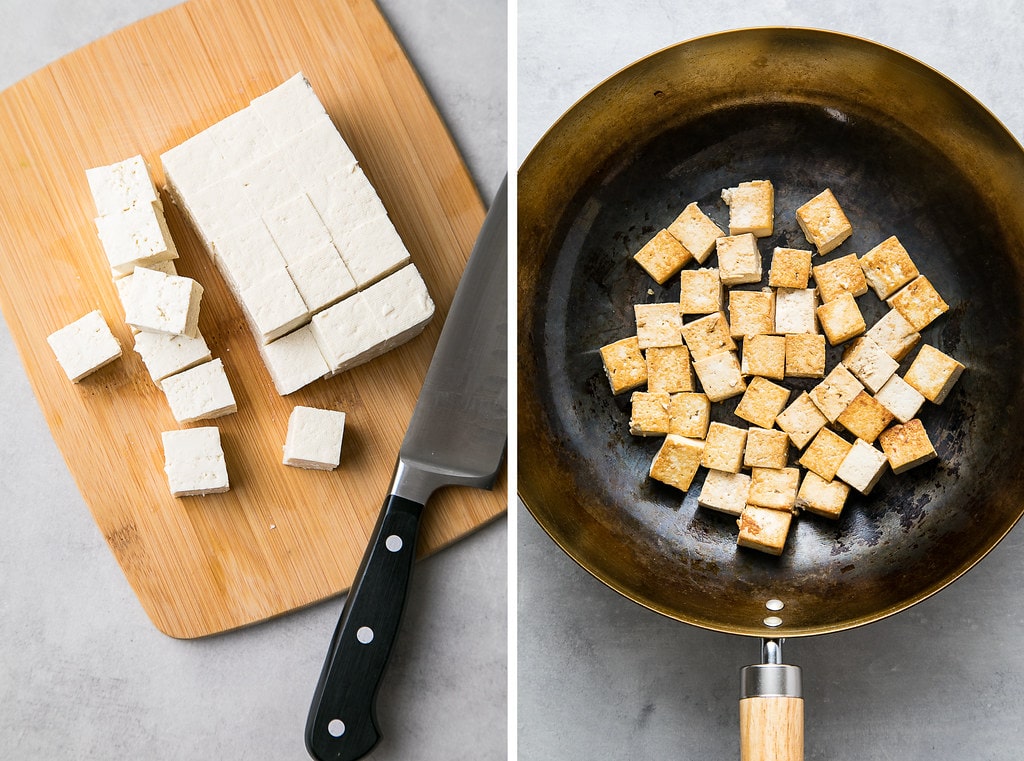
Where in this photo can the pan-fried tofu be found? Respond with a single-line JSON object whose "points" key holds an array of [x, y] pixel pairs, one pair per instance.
{"points": [[720, 376], [695, 230], [823, 221], [764, 356], [723, 448], [677, 461], [751, 313], [870, 363], [700, 291], [795, 311], [662, 256], [933, 373], [624, 364], [739, 261], [894, 334], [650, 413], [801, 420], [761, 402], [774, 488], [669, 369], [764, 529], [790, 268], [835, 392], [708, 335], [725, 492], [751, 208], [888, 267], [900, 398], [906, 445], [658, 325], [841, 319], [865, 418], [826, 453], [839, 276], [862, 467], [766, 449], [689, 415], [919, 302], [822, 497], [805, 355]]}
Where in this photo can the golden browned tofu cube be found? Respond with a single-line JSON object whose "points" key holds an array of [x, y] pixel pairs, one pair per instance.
{"points": [[751, 208], [841, 319], [720, 376], [805, 355], [900, 398], [751, 313], [658, 325], [723, 448], [869, 363], [761, 402], [907, 445], [933, 373], [894, 334], [764, 529], [739, 261], [835, 392], [790, 268], [695, 230], [825, 454], [823, 222], [764, 356], [919, 302], [795, 310], [677, 461], [669, 369], [700, 291], [842, 275], [624, 364], [708, 335], [774, 488], [821, 496], [650, 413], [766, 449], [662, 256], [801, 420], [888, 267], [862, 467], [725, 492], [865, 418], [689, 415]]}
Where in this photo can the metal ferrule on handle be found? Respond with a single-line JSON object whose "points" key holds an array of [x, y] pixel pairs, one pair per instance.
{"points": [[771, 708]]}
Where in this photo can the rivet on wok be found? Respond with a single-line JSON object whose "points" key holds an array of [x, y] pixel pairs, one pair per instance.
{"points": [[774, 604], [773, 621]]}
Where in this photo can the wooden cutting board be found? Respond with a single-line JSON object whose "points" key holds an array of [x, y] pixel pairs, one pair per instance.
{"points": [[281, 538]]}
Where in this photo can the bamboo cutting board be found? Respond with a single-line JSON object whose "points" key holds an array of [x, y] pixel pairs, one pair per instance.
{"points": [[281, 538]]}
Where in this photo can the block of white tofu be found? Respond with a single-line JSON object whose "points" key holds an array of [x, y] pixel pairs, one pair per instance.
{"points": [[725, 492], [296, 228], [401, 304], [347, 333], [192, 165], [241, 136], [136, 236], [273, 305], [294, 360], [200, 392], [84, 346], [120, 186], [289, 107], [246, 253], [314, 438], [166, 355], [795, 310], [862, 467], [162, 303], [220, 207], [319, 147], [321, 277], [194, 462], [344, 199], [371, 250]]}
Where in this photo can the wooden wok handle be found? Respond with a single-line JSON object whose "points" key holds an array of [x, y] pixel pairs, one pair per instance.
{"points": [[771, 713]]}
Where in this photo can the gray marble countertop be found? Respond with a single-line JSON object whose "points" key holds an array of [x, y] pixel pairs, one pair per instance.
{"points": [[601, 677], [83, 673]]}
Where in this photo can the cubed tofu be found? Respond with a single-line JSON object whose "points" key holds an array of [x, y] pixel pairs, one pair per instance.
{"points": [[662, 256], [246, 253], [294, 360], [372, 250], [689, 415], [296, 228], [825, 453], [273, 305], [841, 319], [865, 418], [669, 369], [790, 268], [695, 230], [677, 460], [918, 302], [725, 492], [199, 393], [321, 277], [720, 376], [751, 313], [801, 420], [906, 445], [723, 447], [900, 398], [888, 267], [649, 415], [795, 311], [766, 449], [166, 355], [708, 335], [894, 334], [764, 529], [121, 185], [774, 488], [933, 373], [821, 496], [805, 355], [739, 261], [163, 303], [314, 438], [658, 325], [839, 276], [764, 356], [137, 236], [862, 467], [700, 291], [835, 392], [751, 208], [624, 364], [823, 221], [84, 346], [351, 333], [869, 363], [761, 402], [400, 304], [194, 462]]}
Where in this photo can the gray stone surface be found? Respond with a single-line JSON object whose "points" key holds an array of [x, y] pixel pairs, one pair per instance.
{"points": [[83, 673], [601, 677]]}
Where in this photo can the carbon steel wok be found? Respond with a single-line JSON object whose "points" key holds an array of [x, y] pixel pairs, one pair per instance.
{"points": [[906, 152]]}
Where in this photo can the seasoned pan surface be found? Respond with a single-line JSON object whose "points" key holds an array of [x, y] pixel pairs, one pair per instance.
{"points": [[906, 152]]}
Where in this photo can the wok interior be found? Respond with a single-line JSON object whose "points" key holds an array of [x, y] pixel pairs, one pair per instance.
{"points": [[807, 110]]}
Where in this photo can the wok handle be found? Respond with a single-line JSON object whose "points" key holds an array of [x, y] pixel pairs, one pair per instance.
{"points": [[771, 713]]}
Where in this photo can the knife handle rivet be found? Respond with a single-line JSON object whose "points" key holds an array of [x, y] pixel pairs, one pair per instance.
{"points": [[336, 728], [393, 543], [364, 634]]}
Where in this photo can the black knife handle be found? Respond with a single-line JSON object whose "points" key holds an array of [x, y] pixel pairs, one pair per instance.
{"points": [[342, 722]]}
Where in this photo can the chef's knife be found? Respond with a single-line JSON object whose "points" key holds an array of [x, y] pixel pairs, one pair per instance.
{"points": [[456, 436]]}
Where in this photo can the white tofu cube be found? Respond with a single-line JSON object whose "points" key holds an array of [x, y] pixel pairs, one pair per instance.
{"points": [[166, 355], [274, 306], [894, 334], [120, 186], [84, 346], [162, 303], [241, 136], [725, 492], [200, 392], [192, 165], [348, 334], [218, 208], [134, 237], [900, 398], [322, 277], [401, 304], [314, 438], [318, 148], [194, 462], [372, 250], [794, 310], [344, 199], [296, 228], [869, 362], [862, 467], [269, 181], [294, 360], [246, 254], [289, 107]]}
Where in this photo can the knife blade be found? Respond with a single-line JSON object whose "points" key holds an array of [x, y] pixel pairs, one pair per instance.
{"points": [[457, 436]]}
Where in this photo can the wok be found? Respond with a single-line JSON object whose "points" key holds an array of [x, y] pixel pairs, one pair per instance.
{"points": [[906, 152]]}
